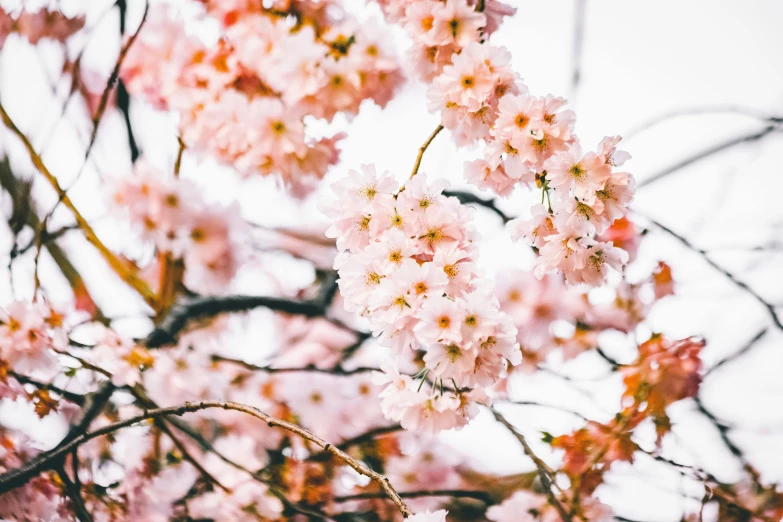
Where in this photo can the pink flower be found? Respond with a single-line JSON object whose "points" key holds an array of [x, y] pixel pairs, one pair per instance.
{"points": [[440, 321], [26, 341], [467, 83], [562, 252], [516, 116], [457, 23], [569, 170], [485, 177], [599, 258], [535, 230]]}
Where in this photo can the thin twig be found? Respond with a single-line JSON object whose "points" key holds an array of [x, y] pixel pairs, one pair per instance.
{"points": [[731, 277], [739, 353], [544, 472], [692, 111], [120, 268], [715, 149], [483, 496], [161, 423], [45, 460], [423, 149]]}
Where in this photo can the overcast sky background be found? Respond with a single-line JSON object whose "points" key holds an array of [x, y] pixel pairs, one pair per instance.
{"points": [[639, 60]]}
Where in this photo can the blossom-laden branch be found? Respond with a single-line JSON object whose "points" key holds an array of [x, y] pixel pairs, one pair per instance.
{"points": [[121, 268], [46, 460]]}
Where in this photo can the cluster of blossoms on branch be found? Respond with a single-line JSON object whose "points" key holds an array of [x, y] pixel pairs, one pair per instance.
{"points": [[37, 25], [409, 268], [172, 214], [439, 29], [249, 99]]}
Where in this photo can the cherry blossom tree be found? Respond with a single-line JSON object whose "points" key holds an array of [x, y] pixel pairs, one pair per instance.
{"points": [[166, 356]]}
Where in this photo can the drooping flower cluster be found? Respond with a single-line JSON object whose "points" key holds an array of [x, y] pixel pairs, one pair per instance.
{"points": [[248, 99], [440, 29], [173, 215], [409, 268], [553, 317], [530, 141], [35, 26]]}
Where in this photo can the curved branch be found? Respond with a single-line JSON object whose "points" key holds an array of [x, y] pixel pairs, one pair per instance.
{"points": [[121, 268], [720, 147], [483, 496], [468, 198], [48, 459], [731, 277], [423, 149], [544, 472]]}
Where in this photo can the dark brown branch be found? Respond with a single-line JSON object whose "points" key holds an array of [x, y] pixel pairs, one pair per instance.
{"points": [[337, 370], [75, 398], [123, 98], [467, 198], [115, 74], [47, 459], [203, 307], [715, 149], [731, 277], [369, 435], [74, 493]]}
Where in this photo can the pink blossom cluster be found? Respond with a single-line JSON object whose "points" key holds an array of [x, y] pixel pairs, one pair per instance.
{"points": [[174, 216], [439, 29], [531, 141], [408, 266], [29, 334], [35, 26], [39, 499], [551, 316], [526, 506], [250, 99]]}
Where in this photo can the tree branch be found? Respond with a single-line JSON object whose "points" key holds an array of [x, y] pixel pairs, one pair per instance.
{"points": [[544, 472], [715, 149], [423, 149], [468, 198], [731, 277], [742, 351], [483, 496], [46, 460], [121, 268]]}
